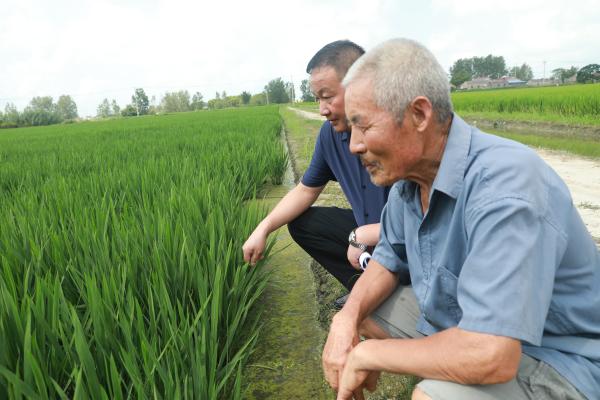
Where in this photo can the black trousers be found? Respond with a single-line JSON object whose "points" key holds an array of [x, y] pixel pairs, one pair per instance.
{"points": [[323, 233]]}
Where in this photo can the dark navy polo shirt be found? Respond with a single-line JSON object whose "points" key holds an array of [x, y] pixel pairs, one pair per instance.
{"points": [[332, 161]]}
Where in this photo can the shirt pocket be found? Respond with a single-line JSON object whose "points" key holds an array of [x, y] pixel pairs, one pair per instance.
{"points": [[441, 307]]}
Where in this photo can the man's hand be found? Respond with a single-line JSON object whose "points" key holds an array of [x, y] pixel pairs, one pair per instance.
{"points": [[343, 336], [353, 255], [355, 378], [255, 246]]}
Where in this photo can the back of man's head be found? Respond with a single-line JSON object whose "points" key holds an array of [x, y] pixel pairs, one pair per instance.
{"points": [[340, 55], [401, 70]]}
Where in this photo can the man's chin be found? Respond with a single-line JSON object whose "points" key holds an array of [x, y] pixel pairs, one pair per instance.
{"points": [[338, 126]]}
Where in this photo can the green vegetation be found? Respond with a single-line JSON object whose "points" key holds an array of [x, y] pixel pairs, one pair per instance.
{"points": [[573, 104], [582, 147], [120, 269]]}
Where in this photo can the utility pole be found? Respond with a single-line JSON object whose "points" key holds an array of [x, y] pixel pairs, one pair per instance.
{"points": [[544, 78]]}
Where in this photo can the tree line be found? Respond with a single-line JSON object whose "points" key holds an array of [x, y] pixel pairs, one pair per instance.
{"points": [[40, 111], [44, 111], [494, 67]]}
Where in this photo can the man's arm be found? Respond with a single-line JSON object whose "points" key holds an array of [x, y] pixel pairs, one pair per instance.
{"points": [[452, 355], [294, 203], [372, 288], [367, 234]]}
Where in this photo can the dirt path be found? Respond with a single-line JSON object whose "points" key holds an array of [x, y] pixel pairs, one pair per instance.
{"points": [[582, 175]]}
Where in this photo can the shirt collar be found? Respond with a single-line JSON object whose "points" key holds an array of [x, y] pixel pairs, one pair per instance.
{"points": [[450, 175]]}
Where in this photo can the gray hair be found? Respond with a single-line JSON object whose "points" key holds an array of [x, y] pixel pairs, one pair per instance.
{"points": [[401, 70]]}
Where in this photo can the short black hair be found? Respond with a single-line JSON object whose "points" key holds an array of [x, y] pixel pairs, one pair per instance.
{"points": [[340, 55]]}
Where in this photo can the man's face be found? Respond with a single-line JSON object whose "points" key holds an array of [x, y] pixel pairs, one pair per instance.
{"points": [[329, 92], [387, 150]]}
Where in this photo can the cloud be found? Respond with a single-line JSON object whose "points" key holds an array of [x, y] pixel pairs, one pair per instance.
{"points": [[107, 48]]}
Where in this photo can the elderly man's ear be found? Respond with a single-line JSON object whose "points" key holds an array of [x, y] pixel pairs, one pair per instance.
{"points": [[421, 113]]}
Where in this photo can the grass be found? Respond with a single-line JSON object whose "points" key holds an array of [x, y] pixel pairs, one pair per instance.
{"points": [[120, 269]]}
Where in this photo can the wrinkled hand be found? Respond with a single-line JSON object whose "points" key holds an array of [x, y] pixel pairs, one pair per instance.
{"points": [[254, 247], [353, 255], [354, 379], [343, 336]]}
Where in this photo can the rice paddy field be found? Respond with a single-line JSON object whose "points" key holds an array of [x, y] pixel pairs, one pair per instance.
{"points": [[569, 104], [121, 274]]}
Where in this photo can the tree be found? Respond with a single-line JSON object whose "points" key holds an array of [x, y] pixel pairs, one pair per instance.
{"points": [[589, 74], [40, 111], [197, 101], [276, 92], [116, 110], [129, 111], [258, 99], [563, 74], [291, 91], [307, 94], [140, 101], [489, 66], [523, 72], [175, 101], [245, 96], [11, 115], [66, 107], [461, 71], [103, 110]]}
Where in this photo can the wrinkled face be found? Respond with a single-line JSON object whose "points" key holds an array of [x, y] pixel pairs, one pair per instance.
{"points": [[387, 150], [329, 92]]}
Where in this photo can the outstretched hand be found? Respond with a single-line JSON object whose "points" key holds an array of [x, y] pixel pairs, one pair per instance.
{"points": [[254, 247]]}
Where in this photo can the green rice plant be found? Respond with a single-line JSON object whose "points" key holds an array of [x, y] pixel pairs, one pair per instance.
{"points": [[121, 274], [574, 104]]}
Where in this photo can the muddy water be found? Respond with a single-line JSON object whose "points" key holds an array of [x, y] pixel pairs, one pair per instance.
{"points": [[287, 361]]}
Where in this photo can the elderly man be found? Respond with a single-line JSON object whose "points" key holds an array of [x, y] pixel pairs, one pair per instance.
{"points": [[333, 236], [505, 296]]}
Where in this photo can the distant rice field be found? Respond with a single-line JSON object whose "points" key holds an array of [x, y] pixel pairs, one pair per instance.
{"points": [[121, 274], [573, 104]]}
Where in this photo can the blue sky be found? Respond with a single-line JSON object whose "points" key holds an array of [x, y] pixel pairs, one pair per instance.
{"points": [[106, 48]]}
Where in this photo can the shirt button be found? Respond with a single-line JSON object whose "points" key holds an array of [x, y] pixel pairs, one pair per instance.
{"points": [[366, 214], [364, 186]]}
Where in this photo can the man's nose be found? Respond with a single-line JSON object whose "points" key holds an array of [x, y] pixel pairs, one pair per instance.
{"points": [[323, 108], [357, 146]]}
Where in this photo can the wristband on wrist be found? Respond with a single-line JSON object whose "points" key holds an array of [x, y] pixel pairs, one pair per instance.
{"points": [[354, 243]]}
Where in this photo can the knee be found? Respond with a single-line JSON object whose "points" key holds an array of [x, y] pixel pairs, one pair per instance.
{"points": [[300, 226], [418, 394]]}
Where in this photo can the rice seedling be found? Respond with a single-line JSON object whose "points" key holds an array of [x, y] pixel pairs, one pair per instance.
{"points": [[120, 269]]}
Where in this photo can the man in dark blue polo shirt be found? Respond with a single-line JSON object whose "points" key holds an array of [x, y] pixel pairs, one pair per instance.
{"points": [[333, 236]]}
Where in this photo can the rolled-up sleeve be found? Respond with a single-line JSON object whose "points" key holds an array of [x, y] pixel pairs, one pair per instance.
{"points": [[391, 249], [505, 285]]}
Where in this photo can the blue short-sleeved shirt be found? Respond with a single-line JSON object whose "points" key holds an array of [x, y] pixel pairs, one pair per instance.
{"points": [[501, 250], [333, 161]]}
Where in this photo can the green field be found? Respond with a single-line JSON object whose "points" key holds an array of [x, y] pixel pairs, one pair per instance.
{"points": [[121, 273], [571, 104]]}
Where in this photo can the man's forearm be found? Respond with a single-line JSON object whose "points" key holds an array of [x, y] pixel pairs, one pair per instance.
{"points": [[368, 234], [370, 290], [453, 355]]}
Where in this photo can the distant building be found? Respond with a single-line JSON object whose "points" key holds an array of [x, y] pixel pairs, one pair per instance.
{"points": [[487, 83], [543, 82]]}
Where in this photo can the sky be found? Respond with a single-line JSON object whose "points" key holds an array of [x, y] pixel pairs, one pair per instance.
{"points": [[100, 49]]}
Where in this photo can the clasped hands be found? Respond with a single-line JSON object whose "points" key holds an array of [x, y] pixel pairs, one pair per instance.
{"points": [[344, 361]]}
